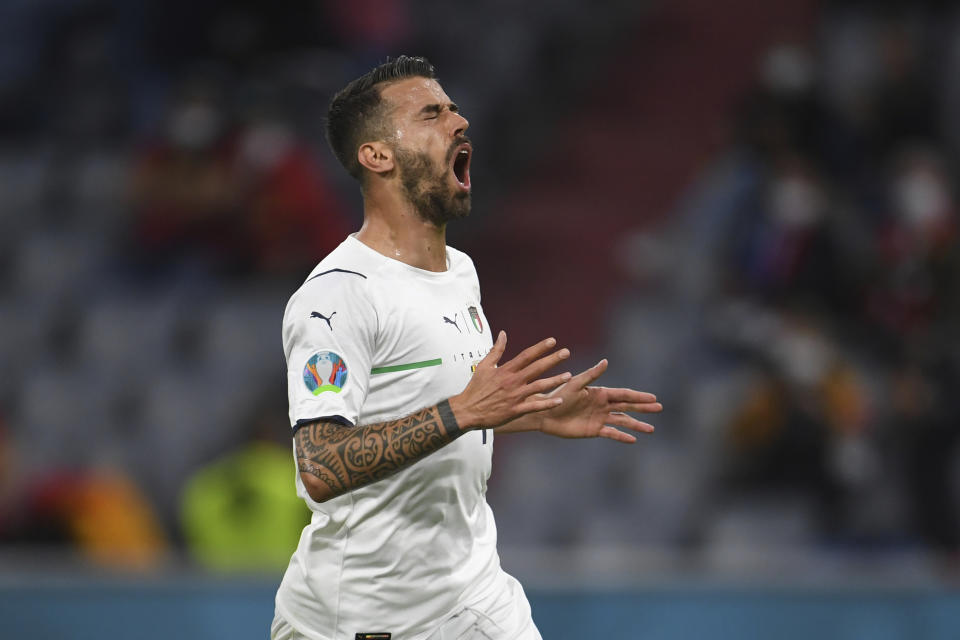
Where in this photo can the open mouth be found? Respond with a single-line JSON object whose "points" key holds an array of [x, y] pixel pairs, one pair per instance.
{"points": [[461, 165]]}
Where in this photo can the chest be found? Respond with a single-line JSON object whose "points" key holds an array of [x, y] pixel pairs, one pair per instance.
{"points": [[431, 337]]}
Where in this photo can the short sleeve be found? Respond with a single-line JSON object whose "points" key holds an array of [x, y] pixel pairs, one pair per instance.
{"points": [[329, 331]]}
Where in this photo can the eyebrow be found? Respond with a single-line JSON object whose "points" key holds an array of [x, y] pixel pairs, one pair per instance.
{"points": [[438, 108]]}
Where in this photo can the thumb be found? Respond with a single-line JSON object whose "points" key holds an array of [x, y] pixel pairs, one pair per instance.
{"points": [[587, 377], [493, 358]]}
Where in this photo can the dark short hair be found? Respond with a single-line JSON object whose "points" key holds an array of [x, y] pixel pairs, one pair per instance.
{"points": [[356, 113]]}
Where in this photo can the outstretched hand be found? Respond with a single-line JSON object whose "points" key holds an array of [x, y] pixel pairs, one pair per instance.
{"points": [[498, 393], [595, 412]]}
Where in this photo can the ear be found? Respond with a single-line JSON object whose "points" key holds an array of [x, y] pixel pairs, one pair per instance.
{"points": [[376, 156]]}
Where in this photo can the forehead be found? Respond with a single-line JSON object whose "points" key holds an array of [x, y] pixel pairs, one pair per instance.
{"points": [[409, 95]]}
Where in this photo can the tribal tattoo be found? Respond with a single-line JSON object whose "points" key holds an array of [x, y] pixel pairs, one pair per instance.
{"points": [[346, 457]]}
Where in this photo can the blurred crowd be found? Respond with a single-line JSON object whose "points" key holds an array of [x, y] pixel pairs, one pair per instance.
{"points": [[160, 192], [798, 315], [844, 254]]}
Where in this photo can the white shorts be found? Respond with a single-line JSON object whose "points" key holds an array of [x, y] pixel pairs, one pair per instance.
{"points": [[503, 616]]}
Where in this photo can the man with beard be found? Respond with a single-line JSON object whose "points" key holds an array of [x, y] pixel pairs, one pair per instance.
{"points": [[396, 388]]}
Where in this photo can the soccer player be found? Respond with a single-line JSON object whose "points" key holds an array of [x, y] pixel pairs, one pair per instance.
{"points": [[397, 387]]}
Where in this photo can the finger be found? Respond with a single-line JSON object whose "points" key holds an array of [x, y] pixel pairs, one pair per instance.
{"points": [[637, 407], [584, 378], [630, 395], [538, 367], [496, 352], [627, 422], [614, 434], [547, 384], [528, 355], [555, 389], [538, 403]]}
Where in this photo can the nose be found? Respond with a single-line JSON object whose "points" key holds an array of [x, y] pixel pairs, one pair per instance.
{"points": [[460, 123]]}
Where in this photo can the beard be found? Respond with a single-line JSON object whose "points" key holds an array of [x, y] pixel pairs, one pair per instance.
{"points": [[427, 187]]}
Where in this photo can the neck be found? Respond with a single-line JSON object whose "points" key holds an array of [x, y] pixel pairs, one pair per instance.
{"points": [[393, 228]]}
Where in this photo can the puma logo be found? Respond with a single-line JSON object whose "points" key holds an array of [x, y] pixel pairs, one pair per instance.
{"points": [[326, 319], [453, 322]]}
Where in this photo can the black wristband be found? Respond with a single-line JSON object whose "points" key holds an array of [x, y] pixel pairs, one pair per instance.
{"points": [[449, 420]]}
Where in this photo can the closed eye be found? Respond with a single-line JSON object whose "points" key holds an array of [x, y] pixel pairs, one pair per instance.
{"points": [[433, 111]]}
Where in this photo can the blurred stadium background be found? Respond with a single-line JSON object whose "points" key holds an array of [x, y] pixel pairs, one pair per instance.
{"points": [[750, 208]]}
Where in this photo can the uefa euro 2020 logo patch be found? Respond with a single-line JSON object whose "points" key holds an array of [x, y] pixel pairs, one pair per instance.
{"points": [[325, 371]]}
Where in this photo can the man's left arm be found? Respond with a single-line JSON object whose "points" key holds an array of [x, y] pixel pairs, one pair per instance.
{"points": [[590, 412]]}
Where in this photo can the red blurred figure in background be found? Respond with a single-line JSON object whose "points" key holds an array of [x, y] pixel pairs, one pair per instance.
{"points": [[240, 198]]}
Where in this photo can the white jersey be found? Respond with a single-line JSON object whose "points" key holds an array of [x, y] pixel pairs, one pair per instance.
{"points": [[370, 339]]}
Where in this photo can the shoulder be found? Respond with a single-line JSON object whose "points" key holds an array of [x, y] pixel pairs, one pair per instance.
{"points": [[343, 277], [348, 262], [462, 266], [460, 261], [351, 266]]}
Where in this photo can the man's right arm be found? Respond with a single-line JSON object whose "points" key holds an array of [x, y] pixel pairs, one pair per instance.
{"points": [[334, 458]]}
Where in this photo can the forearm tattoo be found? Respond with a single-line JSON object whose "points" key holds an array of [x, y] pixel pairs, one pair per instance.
{"points": [[346, 458]]}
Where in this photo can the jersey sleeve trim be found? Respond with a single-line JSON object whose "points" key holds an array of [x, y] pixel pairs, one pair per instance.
{"points": [[337, 419]]}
